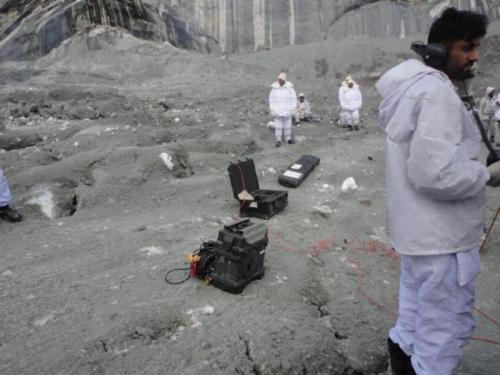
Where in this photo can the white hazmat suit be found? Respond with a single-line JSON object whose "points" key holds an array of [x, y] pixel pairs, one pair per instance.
{"points": [[487, 113], [436, 203], [282, 104], [350, 103], [5, 196]]}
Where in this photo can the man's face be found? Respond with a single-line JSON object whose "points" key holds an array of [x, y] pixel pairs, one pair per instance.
{"points": [[462, 56], [350, 85], [281, 82], [492, 94], [301, 99]]}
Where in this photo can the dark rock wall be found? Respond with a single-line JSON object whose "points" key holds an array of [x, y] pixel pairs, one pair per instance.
{"points": [[245, 25], [402, 18], [34, 28], [31, 28]]}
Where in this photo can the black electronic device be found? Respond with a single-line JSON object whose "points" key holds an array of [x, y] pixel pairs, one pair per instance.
{"points": [[259, 203], [235, 258], [298, 171]]}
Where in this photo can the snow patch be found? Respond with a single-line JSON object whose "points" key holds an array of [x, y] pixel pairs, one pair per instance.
{"points": [[167, 160], [45, 200], [349, 184], [152, 251], [195, 315], [323, 210], [272, 171], [279, 280], [42, 321]]}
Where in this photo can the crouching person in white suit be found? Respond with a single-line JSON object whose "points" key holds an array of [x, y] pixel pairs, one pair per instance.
{"points": [[282, 104]]}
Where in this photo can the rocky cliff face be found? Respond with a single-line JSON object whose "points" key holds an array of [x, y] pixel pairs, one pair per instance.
{"points": [[242, 25], [31, 28]]}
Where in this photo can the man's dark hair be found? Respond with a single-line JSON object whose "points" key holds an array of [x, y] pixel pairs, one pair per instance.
{"points": [[454, 25]]}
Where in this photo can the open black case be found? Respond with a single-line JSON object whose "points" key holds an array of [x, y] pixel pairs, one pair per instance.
{"points": [[266, 203]]}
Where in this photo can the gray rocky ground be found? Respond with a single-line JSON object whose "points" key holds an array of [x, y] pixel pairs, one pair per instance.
{"points": [[81, 279]]}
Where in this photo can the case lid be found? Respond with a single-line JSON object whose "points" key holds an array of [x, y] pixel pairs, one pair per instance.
{"points": [[243, 177], [308, 159]]}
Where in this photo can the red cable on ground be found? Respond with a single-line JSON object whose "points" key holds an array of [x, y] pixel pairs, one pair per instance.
{"points": [[487, 317], [325, 245], [369, 246], [489, 341]]}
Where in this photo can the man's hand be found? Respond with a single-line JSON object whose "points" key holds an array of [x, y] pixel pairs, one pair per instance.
{"points": [[494, 170]]}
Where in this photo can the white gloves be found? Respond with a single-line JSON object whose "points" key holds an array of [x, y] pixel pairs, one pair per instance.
{"points": [[494, 170]]}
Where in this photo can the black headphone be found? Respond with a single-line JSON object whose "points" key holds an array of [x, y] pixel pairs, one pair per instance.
{"points": [[434, 55]]}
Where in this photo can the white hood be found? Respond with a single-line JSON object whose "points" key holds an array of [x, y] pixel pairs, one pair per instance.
{"points": [[396, 81]]}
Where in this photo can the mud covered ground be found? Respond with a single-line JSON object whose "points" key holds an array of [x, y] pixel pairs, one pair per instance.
{"points": [[82, 278]]}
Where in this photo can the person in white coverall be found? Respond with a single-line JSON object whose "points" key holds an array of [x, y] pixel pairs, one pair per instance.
{"points": [[350, 103], [6, 212], [303, 110], [497, 114], [435, 183], [282, 104], [487, 112]]}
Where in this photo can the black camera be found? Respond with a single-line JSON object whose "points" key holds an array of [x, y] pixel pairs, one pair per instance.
{"points": [[235, 258]]}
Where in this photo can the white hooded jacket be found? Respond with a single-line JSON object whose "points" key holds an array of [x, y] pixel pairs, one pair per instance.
{"points": [[434, 179], [282, 99], [350, 98]]}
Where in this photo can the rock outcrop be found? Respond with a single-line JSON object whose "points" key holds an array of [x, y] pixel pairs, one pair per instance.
{"points": [[32, 28], [246, 25]]}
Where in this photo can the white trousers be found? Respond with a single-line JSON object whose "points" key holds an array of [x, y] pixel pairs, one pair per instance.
{"points": [[349, 117], [283, 128], [436, 302], [5, 196], [490, 125]]}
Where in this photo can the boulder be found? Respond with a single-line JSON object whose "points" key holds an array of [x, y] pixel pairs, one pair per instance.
{"points": [[13, 140]]}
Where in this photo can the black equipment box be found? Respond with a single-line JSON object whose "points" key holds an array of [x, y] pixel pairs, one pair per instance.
{"points": [[265, 203], [236, 257], [298, 171]]}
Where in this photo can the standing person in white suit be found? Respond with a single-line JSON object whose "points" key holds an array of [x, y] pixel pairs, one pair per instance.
{"points": [[497, 115], [6, 212], [350, 103], [435, 183], [487, 112], [282, 104]]}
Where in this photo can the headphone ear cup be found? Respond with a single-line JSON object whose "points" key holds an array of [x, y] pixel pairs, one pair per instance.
{"points": [[436, 55]]}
